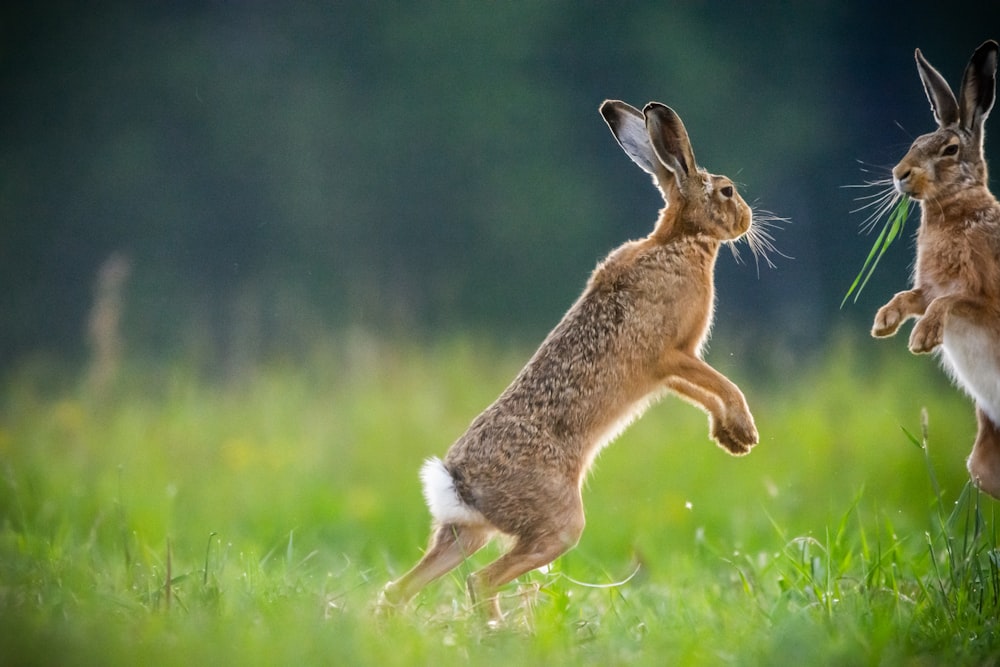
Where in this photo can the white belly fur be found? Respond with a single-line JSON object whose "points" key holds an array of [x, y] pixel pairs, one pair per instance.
{"points": [[618, 427], [972, 357]]}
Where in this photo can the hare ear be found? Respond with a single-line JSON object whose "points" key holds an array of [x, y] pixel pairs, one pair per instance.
{"points": [[670, 140], [942, 100], [629, 127], [978, 87]]}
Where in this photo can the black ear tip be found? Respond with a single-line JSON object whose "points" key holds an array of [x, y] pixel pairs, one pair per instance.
{"points": [[985, 57], [661, 112], [616, 110], [991, 48], [656, 107], [607, 109], [987, 48]]}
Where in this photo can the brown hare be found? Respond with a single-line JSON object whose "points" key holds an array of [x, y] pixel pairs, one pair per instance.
{"points": [[635, 332], [956, 283]]}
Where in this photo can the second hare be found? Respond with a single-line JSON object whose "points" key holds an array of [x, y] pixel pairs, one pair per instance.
{"points": [[956, 284], [636, 332]]}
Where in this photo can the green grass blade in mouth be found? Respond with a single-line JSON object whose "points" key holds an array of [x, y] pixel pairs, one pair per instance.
{"points": [[890, 232]]}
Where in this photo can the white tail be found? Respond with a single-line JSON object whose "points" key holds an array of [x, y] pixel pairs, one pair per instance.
{"points": [[441, 496]]}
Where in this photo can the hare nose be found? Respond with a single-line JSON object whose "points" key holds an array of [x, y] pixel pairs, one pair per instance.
{"points": [[905, 175]]}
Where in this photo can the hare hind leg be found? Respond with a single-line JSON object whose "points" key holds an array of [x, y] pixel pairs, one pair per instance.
{"points": [[528, 553], [450, 545], [984, 462]]}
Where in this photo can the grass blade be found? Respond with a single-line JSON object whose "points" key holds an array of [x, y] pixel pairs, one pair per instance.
{"points": [[891, 230]]}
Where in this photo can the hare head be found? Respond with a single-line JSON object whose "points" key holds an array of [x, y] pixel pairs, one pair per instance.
{"points": [[700, 203], [951, 159]]}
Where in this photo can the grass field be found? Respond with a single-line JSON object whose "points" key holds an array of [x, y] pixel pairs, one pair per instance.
{"points": [[178, 521]]}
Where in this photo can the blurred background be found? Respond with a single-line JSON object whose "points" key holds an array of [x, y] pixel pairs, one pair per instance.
{"points": [[234, 181]]}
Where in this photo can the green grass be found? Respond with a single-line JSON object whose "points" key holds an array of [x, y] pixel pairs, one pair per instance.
{"points": [[895, 207], [178, 521]]}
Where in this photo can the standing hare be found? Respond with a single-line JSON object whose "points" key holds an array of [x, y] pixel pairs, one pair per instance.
{"points": [[956, 292], [636, 332]]}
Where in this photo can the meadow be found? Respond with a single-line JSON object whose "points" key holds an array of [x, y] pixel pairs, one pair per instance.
{"points": [[172, 519]]}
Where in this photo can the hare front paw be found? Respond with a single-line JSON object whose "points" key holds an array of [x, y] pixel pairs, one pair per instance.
{"points": [[927, 334], [887, 321], [738, 436]]}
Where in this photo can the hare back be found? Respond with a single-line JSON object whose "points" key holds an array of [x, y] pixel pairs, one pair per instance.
{"points": [[971, 354]]}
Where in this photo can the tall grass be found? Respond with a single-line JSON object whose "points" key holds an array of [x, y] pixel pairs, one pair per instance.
{"points": [[891, 206], [173, 520]]}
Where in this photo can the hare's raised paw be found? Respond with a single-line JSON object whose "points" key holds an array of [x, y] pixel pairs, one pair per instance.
{"points": [[927, 335], [887, 321], [737, 437]]}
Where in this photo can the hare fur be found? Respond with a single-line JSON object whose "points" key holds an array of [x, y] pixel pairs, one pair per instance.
{"points": [[956, 282], [636, 332]]}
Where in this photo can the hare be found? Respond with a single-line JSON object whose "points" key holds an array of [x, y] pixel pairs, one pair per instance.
{"points": [[635, 332], [956, 283]]}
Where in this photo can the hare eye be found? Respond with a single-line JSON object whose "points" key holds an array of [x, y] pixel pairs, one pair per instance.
{"points": [[727, 191], [950, 149]]}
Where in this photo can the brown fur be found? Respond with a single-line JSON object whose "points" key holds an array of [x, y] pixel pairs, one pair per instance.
{"points": [[635, 332], [956, 284]]}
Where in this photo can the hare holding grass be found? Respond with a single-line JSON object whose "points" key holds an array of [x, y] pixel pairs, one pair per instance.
{"points": [[636, 332], [956, 292]]}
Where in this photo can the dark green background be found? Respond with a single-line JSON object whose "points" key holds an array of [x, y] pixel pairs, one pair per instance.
{"points": [[279, 171]]}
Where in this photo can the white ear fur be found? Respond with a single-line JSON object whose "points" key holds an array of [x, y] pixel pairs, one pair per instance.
{"points": [[978, 87], [629, 128], [943, 102]]}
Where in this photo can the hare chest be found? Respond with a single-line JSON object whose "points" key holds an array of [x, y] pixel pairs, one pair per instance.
{"points": [[970, 354]]}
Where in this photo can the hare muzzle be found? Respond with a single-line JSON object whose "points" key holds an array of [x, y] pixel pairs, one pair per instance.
{"points": [[907, 180]]}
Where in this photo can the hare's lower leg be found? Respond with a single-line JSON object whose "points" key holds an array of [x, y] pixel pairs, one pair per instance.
{"points": [[732, 425], [450, 545], [526, 555], [984, 462]]}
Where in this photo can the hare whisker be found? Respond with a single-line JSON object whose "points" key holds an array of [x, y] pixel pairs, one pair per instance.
{"points": [[877, 209], [884, 209], [760, 240], [868, 168], [871, 199], [868, 184], [878, 204], [735, 252], [887, 190]]}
